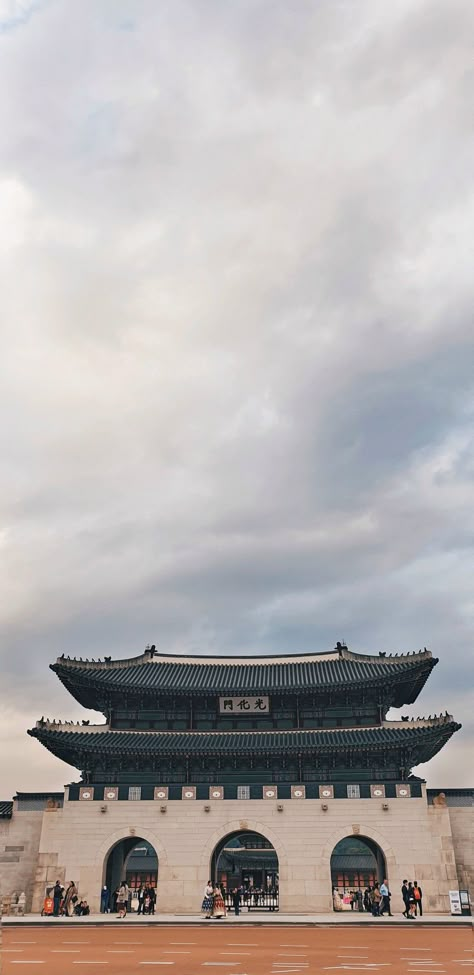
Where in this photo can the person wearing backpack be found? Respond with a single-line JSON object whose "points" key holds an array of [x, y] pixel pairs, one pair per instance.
{"points": [[418, 895]]}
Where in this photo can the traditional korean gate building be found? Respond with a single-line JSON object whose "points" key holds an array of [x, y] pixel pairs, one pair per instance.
{"points": [[198, 755]]}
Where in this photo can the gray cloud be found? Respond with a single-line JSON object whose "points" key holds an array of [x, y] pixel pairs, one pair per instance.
{"points": [[237, 335]]}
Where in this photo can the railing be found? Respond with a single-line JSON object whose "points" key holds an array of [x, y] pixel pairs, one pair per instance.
{"points": [[256, 900]]}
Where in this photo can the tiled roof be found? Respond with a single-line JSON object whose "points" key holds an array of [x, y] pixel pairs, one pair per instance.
{"points": [[6, 809], [165, 674], [107, 742]]}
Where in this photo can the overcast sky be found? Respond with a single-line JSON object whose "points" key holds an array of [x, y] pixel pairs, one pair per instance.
{"points": [[236, 381]]}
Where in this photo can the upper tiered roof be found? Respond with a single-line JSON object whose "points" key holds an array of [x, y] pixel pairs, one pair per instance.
{"points": [[94, 683]]}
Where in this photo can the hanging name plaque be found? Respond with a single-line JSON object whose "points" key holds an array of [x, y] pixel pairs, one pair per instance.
{"points": [[244, 705]]}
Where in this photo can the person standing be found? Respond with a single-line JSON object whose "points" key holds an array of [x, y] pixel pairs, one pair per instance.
{"points": [[418, 895], [70, 899], [367, 899], [236, 900], [376, 901], [152, 900], [208, 901], [336, 900], [104, 900], [360, 901], [57, 898], [141, 898], [385, 904], [411, 901], [122, 900], [405, 898], [218, 909]]}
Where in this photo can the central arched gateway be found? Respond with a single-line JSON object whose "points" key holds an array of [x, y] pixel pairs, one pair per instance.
{"points": [[247, 860], [357, 862], [133, 859]]}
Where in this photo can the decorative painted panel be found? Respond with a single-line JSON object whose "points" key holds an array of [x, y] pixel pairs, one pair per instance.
{"points": [[216, 792], [111, 792], [326, 792], [298, 792], [161, 792], [270, 792], [86, 792], [377, 791], [403, 791], [188, 792]]}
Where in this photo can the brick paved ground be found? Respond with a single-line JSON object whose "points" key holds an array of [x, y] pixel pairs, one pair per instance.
{"points": [[221, 948]]}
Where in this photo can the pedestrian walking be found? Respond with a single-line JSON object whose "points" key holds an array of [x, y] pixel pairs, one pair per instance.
{"points": [[405, 898], [418, 895], [386, 895]]}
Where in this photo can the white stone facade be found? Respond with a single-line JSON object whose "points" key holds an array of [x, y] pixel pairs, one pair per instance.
{"points": [[419, 842]]}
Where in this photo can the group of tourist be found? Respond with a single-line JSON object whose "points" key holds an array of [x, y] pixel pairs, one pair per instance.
{"points": [[142, 899], [376, 899], [64, 899], [412, 896]]}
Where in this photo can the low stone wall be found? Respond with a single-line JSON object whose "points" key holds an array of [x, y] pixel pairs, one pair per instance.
{"points": [[19, 845], [462, 829]]}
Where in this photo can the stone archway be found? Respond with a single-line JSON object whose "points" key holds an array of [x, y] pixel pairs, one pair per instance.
{"points": [[357, 862], [132, 859], [247, 860], [236, 827], [368, 857]]}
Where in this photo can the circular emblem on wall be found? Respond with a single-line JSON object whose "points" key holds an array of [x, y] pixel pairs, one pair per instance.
{"points": [[189, 795], [216, 794], [270, 793], [86, 795], [378, 792], [110, 795], [160, 794], [326, 792], [403, 792], [298, 793]]}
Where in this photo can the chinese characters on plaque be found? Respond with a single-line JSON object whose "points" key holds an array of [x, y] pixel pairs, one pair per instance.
{"points": [[244, 705]]}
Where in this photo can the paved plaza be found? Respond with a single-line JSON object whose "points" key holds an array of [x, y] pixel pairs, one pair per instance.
{"points": [[62, 949]]}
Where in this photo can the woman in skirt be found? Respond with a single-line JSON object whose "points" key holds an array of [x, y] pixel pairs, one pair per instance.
{"points": [[219, 906], [208, 901]]}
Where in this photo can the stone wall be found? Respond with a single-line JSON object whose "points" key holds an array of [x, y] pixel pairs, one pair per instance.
{"points": [[462, 828], [19, 845], [415, 838]]}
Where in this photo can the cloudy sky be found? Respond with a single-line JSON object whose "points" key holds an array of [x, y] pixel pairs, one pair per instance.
{"points": [[237, 364]]}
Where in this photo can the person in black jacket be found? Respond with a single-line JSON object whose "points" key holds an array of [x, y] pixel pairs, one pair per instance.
{"points": [[57, 898], [236, 900], [405, 898], [418, 893]]}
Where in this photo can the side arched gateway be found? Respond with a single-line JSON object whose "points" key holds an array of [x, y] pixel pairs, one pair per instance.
{"points": [[132, 859], [357, 862], [247, 860]]}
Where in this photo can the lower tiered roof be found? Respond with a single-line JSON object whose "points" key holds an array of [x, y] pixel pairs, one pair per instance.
{"points": [[423, 739]]}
